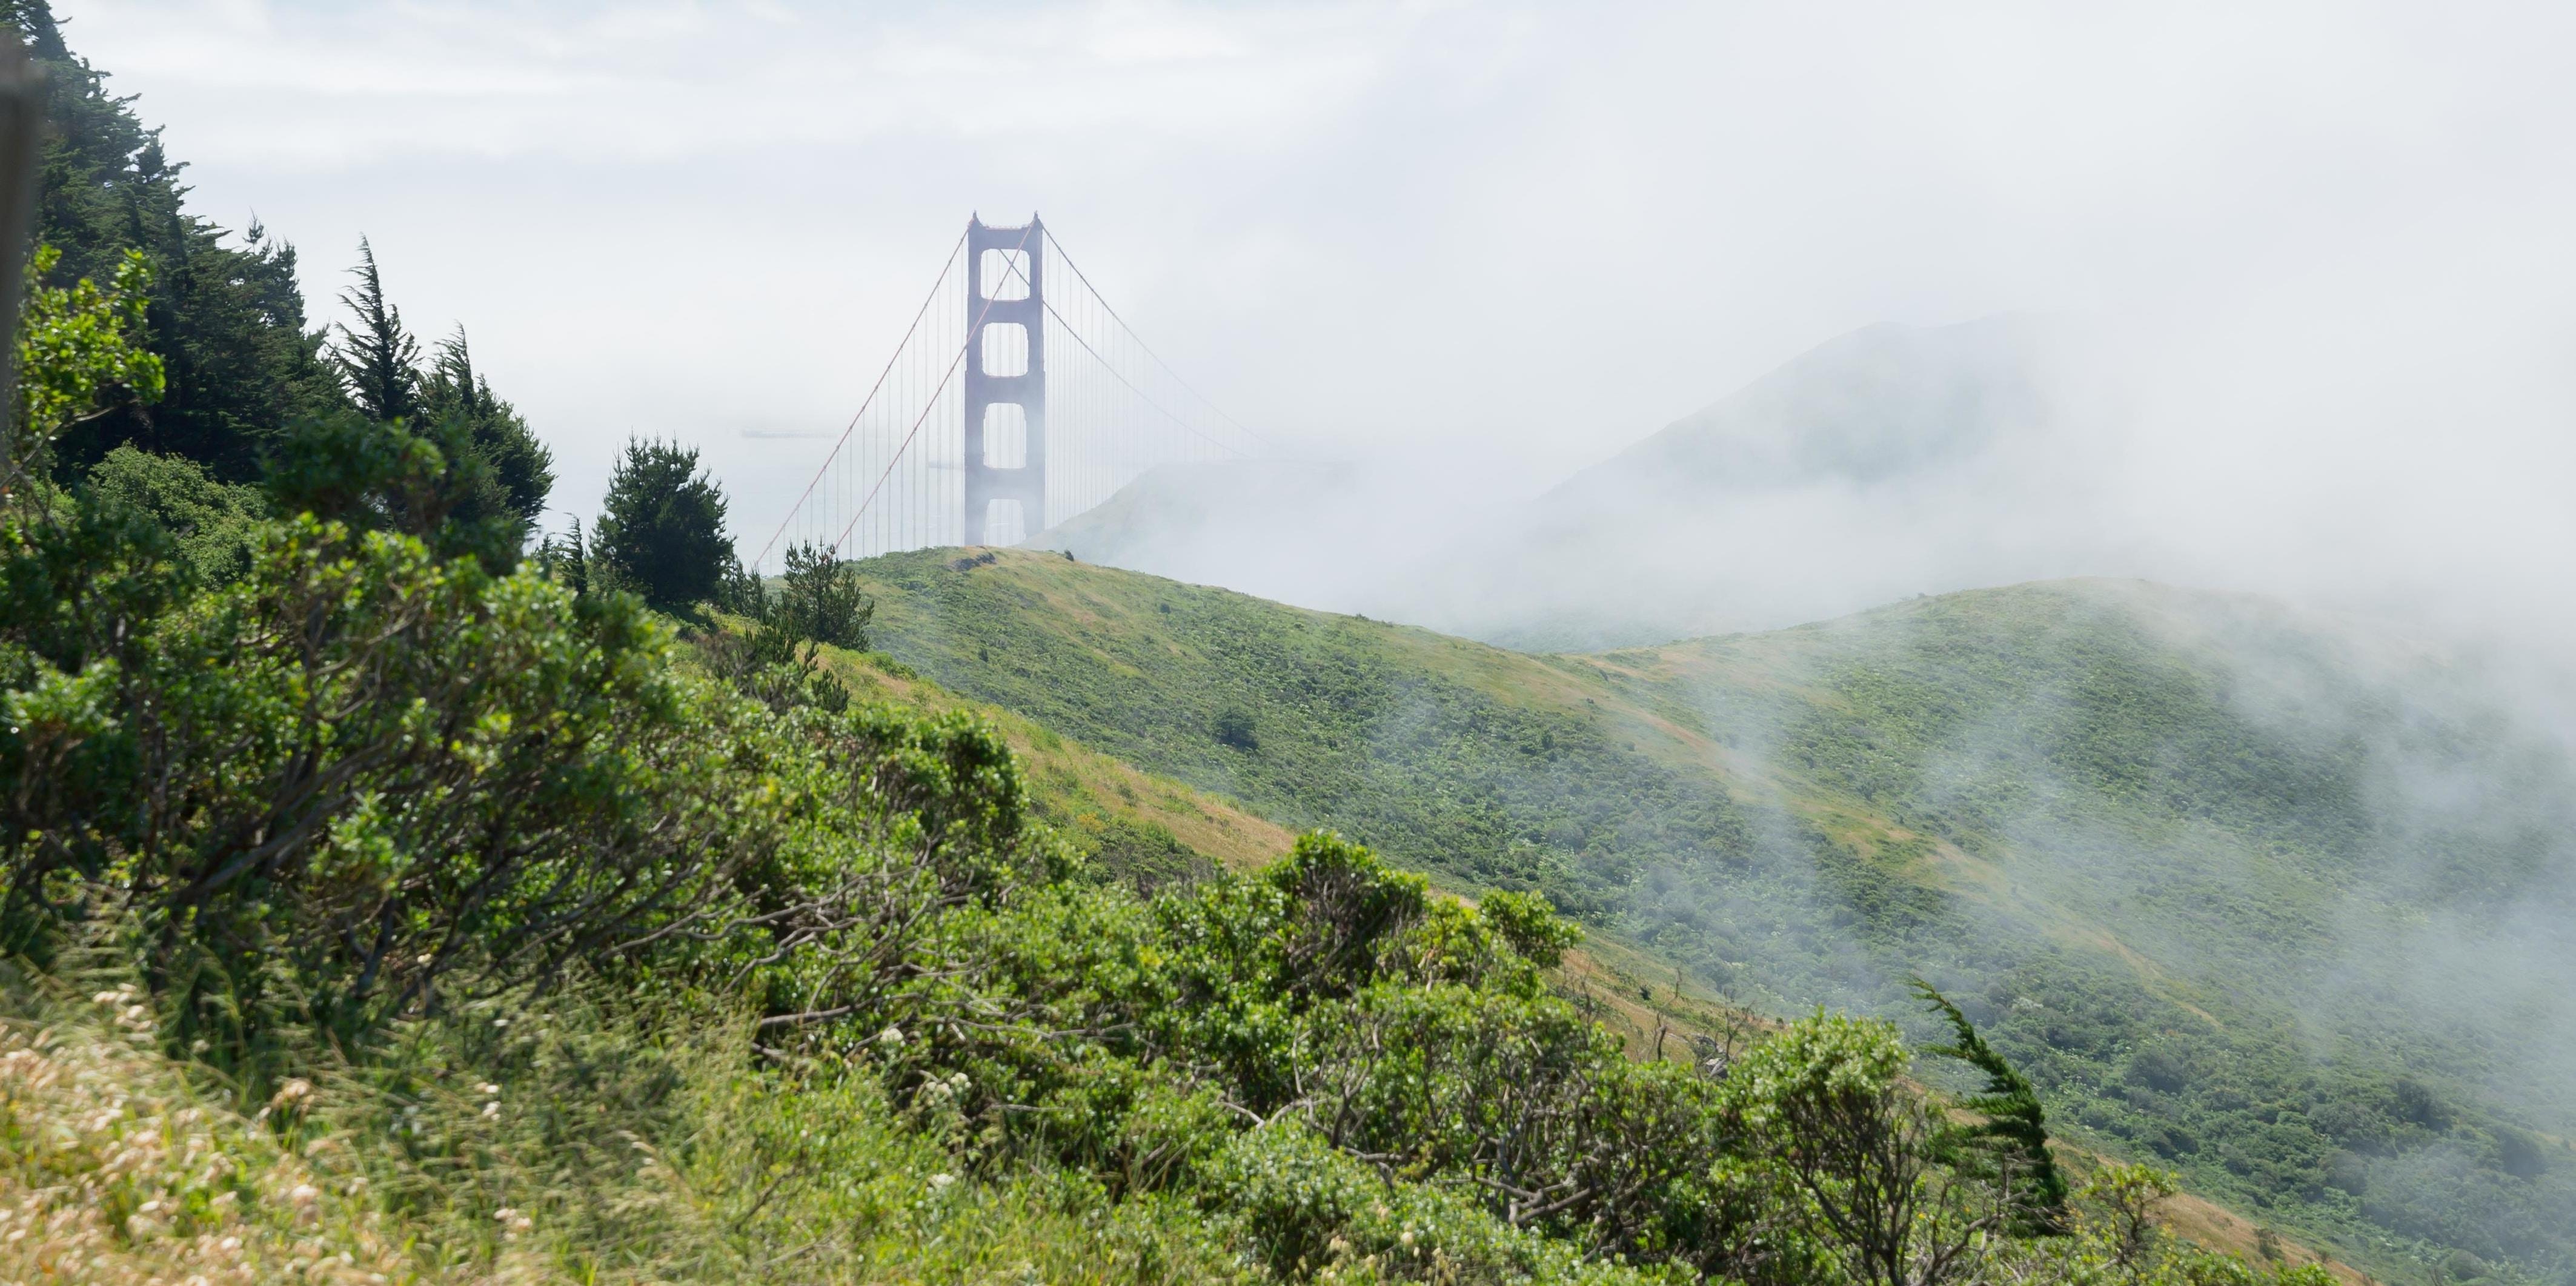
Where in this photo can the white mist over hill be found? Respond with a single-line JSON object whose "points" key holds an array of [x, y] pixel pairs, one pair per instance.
{"points": [[1897, 460]]}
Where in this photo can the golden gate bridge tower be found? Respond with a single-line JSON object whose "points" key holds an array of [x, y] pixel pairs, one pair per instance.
{"points": [[1005, 412], [1017, 399]]}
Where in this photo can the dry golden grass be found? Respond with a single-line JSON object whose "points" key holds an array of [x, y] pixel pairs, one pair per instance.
{"points": [[112, 1170]]}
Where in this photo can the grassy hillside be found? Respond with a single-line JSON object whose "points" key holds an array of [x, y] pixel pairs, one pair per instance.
{"points": [[1146, 828], [2246, 895]]}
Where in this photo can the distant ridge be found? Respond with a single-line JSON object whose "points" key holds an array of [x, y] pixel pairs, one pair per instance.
{"points": [[1870, 407]]}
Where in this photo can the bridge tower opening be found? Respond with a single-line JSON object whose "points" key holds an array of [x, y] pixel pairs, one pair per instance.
{"points": [[1005, 382]]}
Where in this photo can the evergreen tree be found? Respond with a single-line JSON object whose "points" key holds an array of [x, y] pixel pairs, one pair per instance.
{"points": [[379, 360], [820, 600], [522, 467], [227, 321], [563, 558], [661, 534], [2011, 1143]]}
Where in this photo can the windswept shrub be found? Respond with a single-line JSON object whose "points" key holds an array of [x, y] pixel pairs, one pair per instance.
{"points": [[1313, 1211], [1532, 926], [1851, 1154], [2008, 1143], [364, 778], [775, 657]]}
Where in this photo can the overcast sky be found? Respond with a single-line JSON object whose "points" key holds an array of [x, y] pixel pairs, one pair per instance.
{"points": [[1512, 236]]}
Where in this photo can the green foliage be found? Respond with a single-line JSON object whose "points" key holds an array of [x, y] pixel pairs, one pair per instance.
{"points": [[661, 535], [1315, 721], [2117, 1239], [1532, 927], [215, 523], [378, 359], [374, 476], [1143, 854], [226, 321], [566, 558], [820, 600], [1310, 1210], [1854, 1154], [2120, 1210], [1346, 907], [1233, 728], [379, 828], [2011, 1142], [817, 604], [522, 469], [369, 773], [77, 354]]}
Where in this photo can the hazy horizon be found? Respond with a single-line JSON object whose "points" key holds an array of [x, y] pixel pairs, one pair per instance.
{"points": [[1490, 244]]}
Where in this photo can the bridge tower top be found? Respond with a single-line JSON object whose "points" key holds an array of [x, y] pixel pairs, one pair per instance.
{"points": [[1005, 385]]}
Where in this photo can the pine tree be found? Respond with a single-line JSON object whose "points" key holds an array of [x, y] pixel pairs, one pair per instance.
{"points": [[521, 466], [564, 559], [662, 533], [379, 360], [818, 601], [2011, 1143]]}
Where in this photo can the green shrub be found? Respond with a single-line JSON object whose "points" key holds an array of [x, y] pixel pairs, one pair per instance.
{"points": [[1312, 1211]]}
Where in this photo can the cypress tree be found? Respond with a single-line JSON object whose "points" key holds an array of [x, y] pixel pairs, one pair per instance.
{"points": [[378, 359], [564, 559], [522, 467], [662, 534], [226, 320], [2011, 1143]]}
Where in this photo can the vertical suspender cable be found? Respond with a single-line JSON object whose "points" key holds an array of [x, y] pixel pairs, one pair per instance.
{"points": [[928, 407], [820, 474]]}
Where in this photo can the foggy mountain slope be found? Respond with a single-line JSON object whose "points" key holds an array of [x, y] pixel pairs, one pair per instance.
{"points": [[2280, 904], [1887, 461], [1874, 406]]}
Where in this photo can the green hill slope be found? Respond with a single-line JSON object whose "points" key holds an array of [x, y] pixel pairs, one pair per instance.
{"points": [[2276, 905]]}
